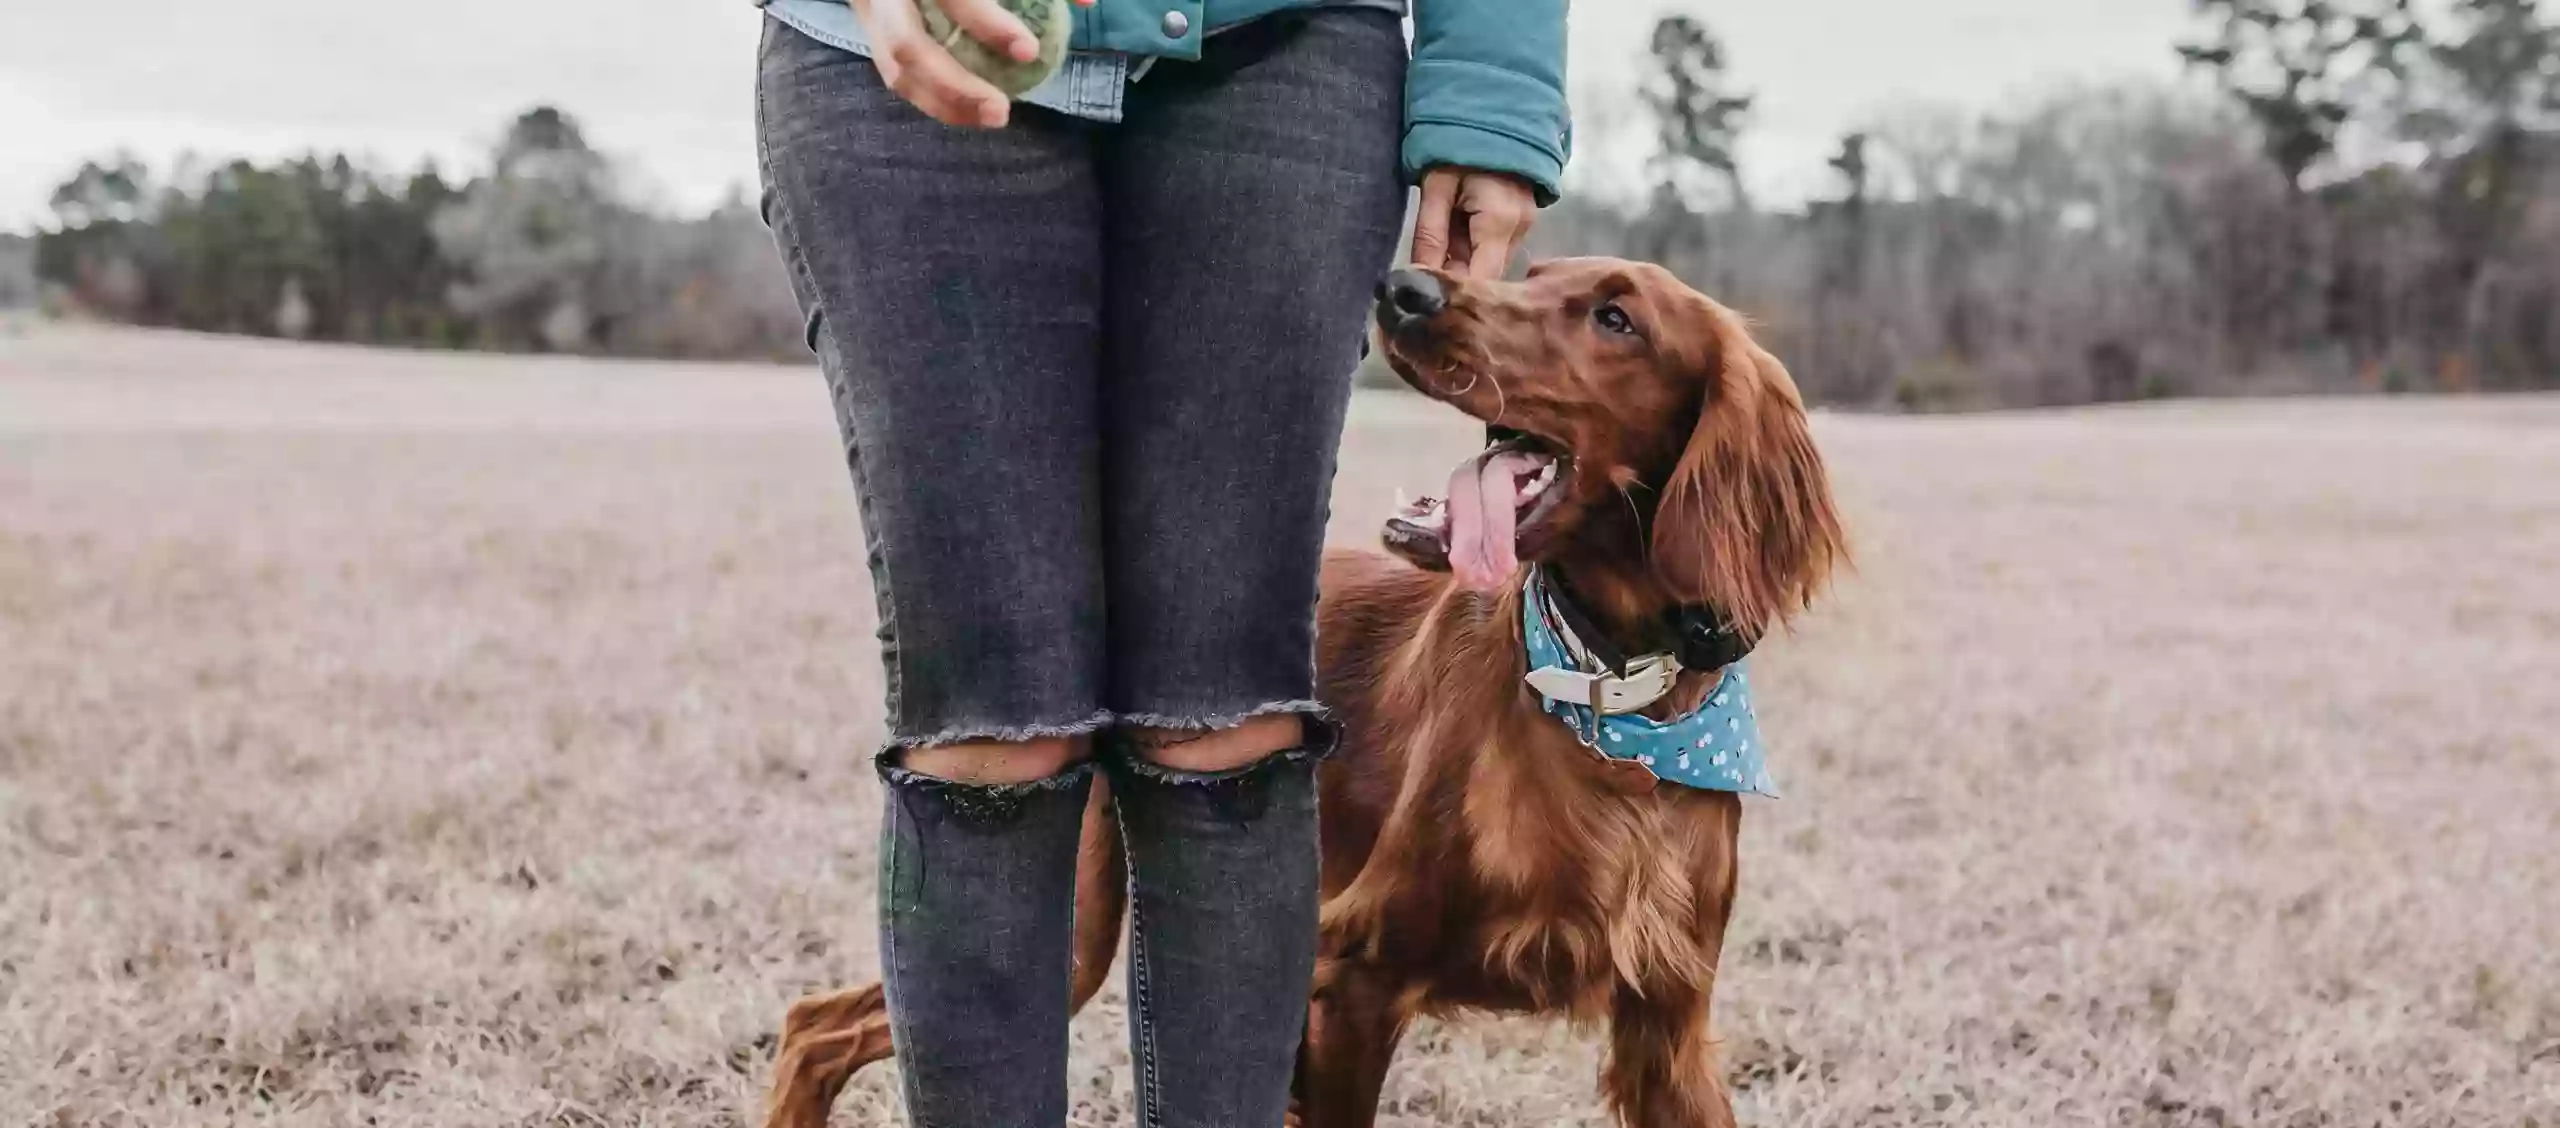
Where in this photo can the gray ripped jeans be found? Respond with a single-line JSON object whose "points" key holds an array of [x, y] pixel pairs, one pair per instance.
{"points": [[1091, 379]]}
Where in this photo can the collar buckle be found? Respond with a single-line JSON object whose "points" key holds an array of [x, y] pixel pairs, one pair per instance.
{"points": [[1647, 680]]}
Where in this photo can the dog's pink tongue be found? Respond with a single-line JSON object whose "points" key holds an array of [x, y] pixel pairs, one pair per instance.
{"points": [[1483, 508]]}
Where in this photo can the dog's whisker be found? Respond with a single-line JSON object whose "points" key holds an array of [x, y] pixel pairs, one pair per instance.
{"points": [[1633, 510], [1489, 367]]}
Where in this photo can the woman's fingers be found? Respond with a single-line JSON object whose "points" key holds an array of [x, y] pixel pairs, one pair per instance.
{"points": [[989, 23], [919, 70], [1499, 211], [1496, 234], [928, 76], [1433, 218], [1472, 221]]}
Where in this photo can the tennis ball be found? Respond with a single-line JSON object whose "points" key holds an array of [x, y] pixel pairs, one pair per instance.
{"points": [[1050, 21]]}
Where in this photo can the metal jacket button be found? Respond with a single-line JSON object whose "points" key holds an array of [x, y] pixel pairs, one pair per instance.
{"points": [[1176, 25]]}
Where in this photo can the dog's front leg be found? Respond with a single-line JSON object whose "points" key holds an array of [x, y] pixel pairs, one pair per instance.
{"points": [[1356, 1018], [1662, 1070]]}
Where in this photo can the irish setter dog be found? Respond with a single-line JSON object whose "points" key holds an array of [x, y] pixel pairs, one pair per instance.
{"points": [[1476, 856]]}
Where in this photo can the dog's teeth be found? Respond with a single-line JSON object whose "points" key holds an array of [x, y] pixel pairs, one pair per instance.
{"points": [[1538, 483]]}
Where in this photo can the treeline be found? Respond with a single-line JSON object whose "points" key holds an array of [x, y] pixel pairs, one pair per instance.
{"points": [[543, 252], [2369, 200], [2366, 196], [17, 272]]}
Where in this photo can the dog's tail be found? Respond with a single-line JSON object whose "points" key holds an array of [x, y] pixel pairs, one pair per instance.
{"points": [[827, 1039]]}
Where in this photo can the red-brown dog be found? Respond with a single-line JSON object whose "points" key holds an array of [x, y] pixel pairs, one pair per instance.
{"points": [[1476, 855]]}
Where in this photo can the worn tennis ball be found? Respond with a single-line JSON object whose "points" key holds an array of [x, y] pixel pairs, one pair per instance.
{"points": [[1050, 21]]}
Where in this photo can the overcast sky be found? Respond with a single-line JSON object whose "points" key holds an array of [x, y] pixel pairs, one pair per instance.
{"points": [[666, 84]]}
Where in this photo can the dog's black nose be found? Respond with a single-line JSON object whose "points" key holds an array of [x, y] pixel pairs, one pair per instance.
{"points": [[1409, 297]]}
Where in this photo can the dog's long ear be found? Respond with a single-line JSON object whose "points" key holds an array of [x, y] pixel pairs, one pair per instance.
{"points": [[1747, 524]]}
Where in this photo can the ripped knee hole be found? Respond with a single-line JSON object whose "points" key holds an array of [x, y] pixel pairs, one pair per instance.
{"points": [[1217, 749]]}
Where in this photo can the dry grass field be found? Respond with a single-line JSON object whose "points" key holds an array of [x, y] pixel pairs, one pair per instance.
{"points": [[400, 740]]}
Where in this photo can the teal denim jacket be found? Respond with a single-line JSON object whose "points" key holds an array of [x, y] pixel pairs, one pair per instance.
{"points": [[1486, 89]]}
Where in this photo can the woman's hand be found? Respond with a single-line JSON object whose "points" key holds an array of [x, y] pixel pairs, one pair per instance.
{"points": [[1471, 220], [922, 72]]}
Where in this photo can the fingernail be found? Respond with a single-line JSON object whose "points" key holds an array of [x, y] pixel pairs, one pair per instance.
{"points": [[1025, 49]]}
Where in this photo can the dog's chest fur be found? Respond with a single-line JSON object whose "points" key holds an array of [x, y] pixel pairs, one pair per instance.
{"points": [[1579, 886], [1529, 874]]}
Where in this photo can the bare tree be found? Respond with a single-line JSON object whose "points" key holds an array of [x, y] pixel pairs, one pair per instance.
{"points": [[1698, 115], [2492, 104], [17, 272], [2302, 68], [533, 236]]}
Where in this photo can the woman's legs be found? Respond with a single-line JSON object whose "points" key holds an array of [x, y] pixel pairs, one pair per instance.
{"points": [[952, 283], [1251, 204]]}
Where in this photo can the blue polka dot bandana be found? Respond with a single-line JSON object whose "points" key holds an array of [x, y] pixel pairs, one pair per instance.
{"points": [[1716, 748]]}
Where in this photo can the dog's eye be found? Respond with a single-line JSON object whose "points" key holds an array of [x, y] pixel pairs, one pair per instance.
{"points": [[1613, 319]]}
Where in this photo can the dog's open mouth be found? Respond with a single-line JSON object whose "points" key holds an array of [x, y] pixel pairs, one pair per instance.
{"points": [[1500, 502]]}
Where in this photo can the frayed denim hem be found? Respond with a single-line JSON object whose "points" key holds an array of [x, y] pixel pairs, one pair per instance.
{"points": [[1319, 719], [985, 805], [1099, 720], [1315, 711]]}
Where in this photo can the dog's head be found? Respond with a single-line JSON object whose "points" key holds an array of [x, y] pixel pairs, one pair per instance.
{"points": [[1641, 438]]}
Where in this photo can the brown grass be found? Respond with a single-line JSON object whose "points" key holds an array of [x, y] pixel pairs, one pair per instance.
{"points": [[482, 742]]}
